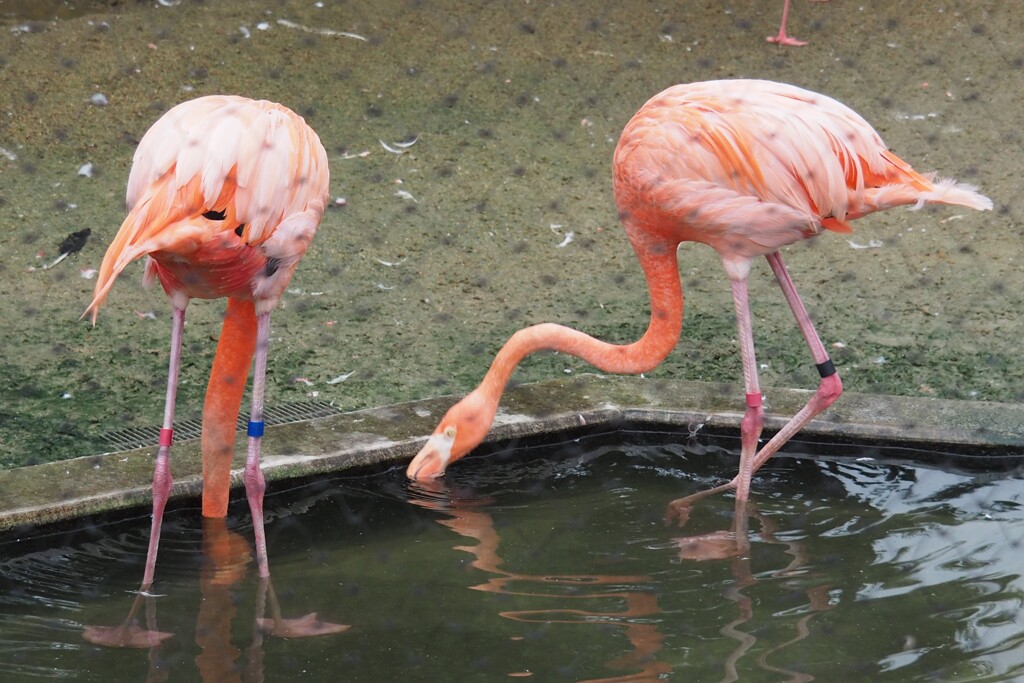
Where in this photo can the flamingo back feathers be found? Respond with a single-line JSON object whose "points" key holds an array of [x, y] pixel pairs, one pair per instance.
{"points": [[256, 163], [788, 160]]}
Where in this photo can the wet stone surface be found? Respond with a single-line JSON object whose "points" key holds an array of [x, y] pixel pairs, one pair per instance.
{"points": [[991, 436]]}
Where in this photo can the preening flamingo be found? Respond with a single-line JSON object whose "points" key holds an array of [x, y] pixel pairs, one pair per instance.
{"points": [[746, 167], [224, 197], [782, 38]]}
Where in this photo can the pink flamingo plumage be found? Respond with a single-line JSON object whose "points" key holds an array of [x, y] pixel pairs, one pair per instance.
{"points": [[224, 197], [746, 167]]}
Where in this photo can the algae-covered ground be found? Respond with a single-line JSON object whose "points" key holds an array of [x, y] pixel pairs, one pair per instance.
{"points": [[506, 216]]}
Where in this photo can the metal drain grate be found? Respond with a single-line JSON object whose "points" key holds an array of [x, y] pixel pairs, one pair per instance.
{"points": [[285, 413]]}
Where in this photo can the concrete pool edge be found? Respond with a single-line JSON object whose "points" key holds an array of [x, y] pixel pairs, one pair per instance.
{"points": [[391, 435]]}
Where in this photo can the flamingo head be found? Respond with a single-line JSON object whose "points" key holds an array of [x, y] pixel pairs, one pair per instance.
{"points": [[461, 430]]}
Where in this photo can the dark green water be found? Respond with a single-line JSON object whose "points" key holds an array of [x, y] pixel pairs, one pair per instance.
{"points": [[555, 564]]}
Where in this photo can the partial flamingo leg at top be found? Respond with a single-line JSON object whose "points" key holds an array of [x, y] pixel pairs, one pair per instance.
{"points": [[746, 167], [782, 38], [224, 197]]}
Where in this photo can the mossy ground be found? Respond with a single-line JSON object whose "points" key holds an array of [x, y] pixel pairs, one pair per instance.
{"points": [[517, 107]]}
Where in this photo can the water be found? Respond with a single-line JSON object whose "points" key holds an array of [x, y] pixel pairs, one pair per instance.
{"points": [[552, 563]]}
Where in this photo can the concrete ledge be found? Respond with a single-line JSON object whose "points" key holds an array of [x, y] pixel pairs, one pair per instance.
{"points": [[65, 490]]}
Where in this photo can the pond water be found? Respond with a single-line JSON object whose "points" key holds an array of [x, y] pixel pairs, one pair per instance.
{"points": [[553, 563]]}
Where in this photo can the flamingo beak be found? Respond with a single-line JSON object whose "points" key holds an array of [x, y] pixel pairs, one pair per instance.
{"points": [[432, 459]]}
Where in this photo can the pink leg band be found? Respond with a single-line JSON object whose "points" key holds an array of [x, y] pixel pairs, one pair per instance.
{"points": [[754, 400], [166, 435]]}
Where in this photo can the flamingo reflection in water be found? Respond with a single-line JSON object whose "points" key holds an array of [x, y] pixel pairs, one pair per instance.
{"points": [[227, 559], [640, 614], [734, 545], [471, 519]]}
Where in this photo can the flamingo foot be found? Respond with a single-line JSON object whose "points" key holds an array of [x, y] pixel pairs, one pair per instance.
{"points": [[678, 511], [783, 39], [718, 545], [303, 627], [128, 634]]}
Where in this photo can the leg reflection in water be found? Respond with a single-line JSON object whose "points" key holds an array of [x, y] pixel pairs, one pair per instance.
{"points": [[129, 633], [734, 545], [636, 617], [227, 559]]}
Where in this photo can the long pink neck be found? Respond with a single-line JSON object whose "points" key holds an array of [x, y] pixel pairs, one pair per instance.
{"points": [[662, 272], [228, 377]]}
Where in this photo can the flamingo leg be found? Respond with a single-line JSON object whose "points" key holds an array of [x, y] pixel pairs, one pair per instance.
{"points": [[162, 479], [782, 38], [255, 484], [752, 423], [753, 417], [830, 387]]}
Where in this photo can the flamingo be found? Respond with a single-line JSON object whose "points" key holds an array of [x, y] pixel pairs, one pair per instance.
{"points": [[781, 38], [745, 167], [224, 196]]}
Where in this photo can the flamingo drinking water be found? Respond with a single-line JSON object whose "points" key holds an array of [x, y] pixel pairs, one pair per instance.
{"points": [[224, 197], [746, 167]]}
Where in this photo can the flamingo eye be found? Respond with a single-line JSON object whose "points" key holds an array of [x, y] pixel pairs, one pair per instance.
{"points": [[449, 432], [214, 215]]}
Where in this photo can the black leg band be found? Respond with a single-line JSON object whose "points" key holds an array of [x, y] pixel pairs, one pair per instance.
{"points": [[826, 369]]}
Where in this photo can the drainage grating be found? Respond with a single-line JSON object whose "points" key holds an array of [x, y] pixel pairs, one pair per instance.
{"points": [[127, 439]]}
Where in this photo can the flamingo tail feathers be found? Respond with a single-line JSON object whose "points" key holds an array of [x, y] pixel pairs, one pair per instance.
{"points": [[951, 192]]}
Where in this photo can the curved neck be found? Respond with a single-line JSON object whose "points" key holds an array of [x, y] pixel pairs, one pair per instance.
{"points": [[228, 378], [666, 295]]}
